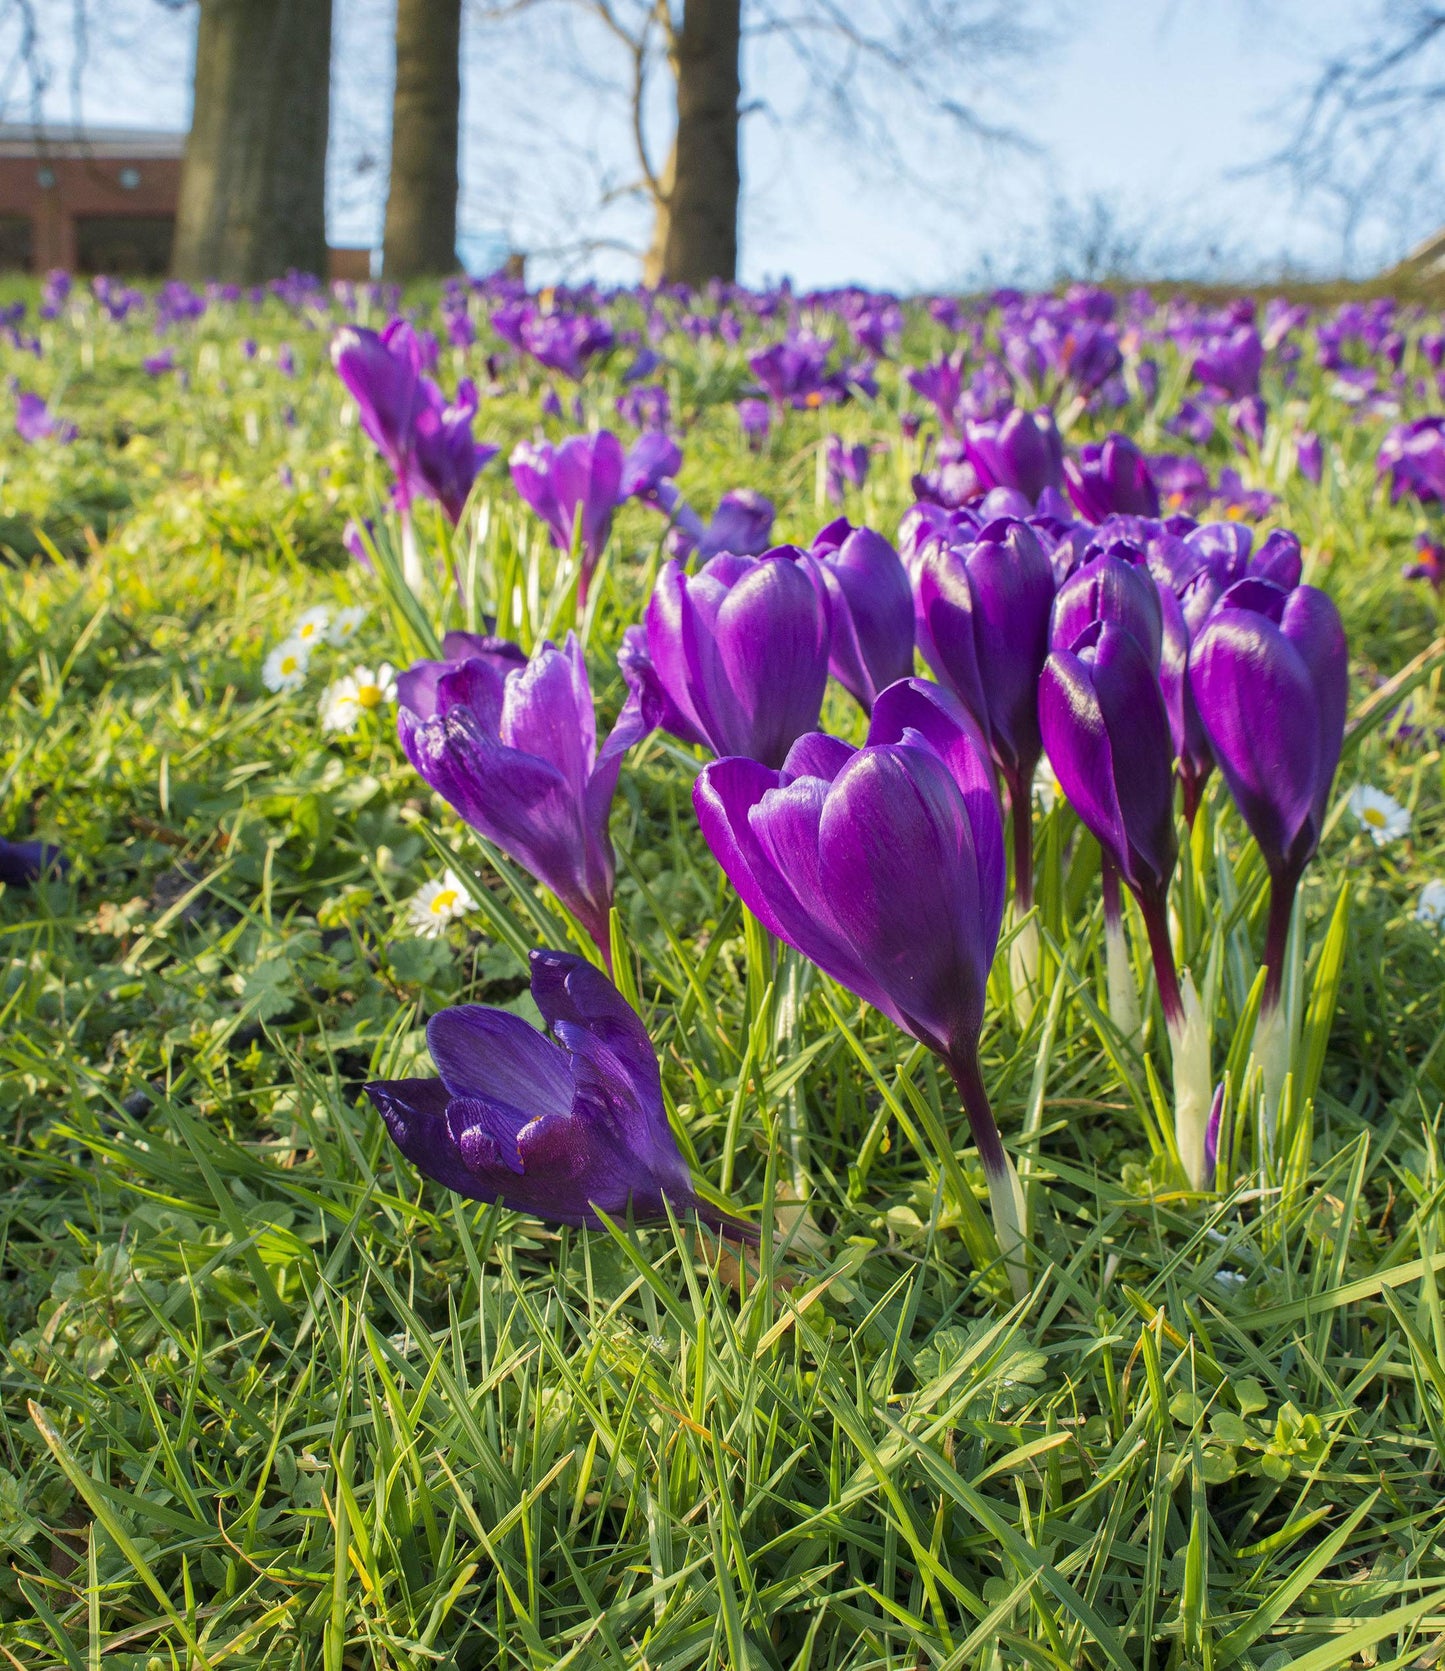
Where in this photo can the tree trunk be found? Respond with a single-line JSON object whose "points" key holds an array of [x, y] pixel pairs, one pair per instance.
{"points": [[253, 188], [421, 201], [701, 239]]}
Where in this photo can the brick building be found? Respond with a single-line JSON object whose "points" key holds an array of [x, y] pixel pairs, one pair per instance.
{"points": [[99, 200]]}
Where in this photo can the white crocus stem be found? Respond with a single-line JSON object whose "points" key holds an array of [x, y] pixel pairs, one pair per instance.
{"points": [[1272, 1048], [1123, 989], [1006, 1203], [1193, 1083], [1024, 955], [410, 554]]}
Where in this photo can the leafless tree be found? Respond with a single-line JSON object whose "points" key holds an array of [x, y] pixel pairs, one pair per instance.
{"points": [[1366, 135], [867, 70]]}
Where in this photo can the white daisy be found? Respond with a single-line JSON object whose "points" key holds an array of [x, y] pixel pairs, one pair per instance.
{"points": [[346, 624], [285, 667], [1431, 906], [434, 906], [1380, 814], [358, 693], [310, 630]]}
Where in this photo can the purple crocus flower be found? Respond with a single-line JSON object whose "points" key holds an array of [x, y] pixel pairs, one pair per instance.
{"points": [[1023, 451], [941, 383], [1091, 357], [563, 1130], [445, 459], [740, 651], [515, 754], [870, 610], [34, 422], [1107, 734], [156, 365], [1270, 675], [742, 525], [1310, 456], [756, 419], [1230, 365], [1109, 588], [1429, 562], [982, 617], [844, 465], [1111, 478], [793, 371], [25, 862], [573, 487], [1412, 455], [653, 459], [884, 866], [382, 373]]}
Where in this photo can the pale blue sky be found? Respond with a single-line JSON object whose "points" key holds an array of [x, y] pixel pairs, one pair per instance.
{"points": [[1156, 107]]}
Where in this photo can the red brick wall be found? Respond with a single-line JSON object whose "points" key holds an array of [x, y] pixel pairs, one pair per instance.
{"points": [[82, 186]]}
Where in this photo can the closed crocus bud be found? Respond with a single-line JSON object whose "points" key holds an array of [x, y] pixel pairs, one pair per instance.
{"points": [[1023, 451], [576, 486], [884, 866], [741, 650], [1109, 478], [1270, 675], [1109, 588], [515, 755], [1185, 611], [982, 613], [870, 610], [1107, 734], [1310, 456], [562, 1130]]}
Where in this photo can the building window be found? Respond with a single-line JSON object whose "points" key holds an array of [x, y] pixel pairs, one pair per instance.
{"points": [[129, 178], [17, 243]]}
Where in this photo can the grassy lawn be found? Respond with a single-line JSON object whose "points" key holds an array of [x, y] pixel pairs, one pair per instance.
{"points": [[270, 1399]]}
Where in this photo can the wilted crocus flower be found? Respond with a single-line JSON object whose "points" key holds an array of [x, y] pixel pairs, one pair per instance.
{"points": [[1270, 676], [739, 650], [870, 610], [1106, 733], [1110, 478], [24, 862], [563, 1130], [884, 866], [1023, 451], [515, 754], [34, 421], [844, 465], [574, 488], [982, 616], [1412, 455]]}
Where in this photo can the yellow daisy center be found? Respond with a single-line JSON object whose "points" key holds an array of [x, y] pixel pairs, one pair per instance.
{"points": [[445, 901], [369, 696], [1374, 816]]}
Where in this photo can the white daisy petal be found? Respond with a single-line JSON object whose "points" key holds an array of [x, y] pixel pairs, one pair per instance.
{"points": [[437, 904], [311, 628], [345, 625], [1430, 908], [285, 667], [1380, 815]]}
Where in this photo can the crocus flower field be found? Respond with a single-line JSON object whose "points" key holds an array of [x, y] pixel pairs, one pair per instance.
{"points": [[737, 979]]}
